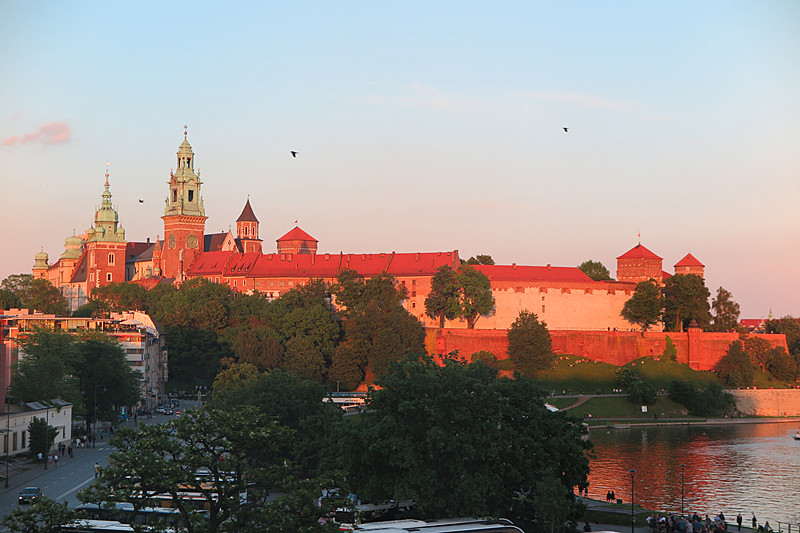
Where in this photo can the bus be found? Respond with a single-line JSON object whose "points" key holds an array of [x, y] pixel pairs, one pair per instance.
{"points": [[452, 525], [96, 526], [124, 512]]}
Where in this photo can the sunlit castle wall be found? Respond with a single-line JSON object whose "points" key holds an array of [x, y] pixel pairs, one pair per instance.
{"points": [[698, 349], [563, 297]]}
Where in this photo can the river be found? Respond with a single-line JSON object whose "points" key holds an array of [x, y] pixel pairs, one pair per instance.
{"points": [[732, 468]]}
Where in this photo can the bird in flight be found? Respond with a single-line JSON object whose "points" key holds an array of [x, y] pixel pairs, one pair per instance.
{"points": [[141, 201], [565, 129], [294, 154]]}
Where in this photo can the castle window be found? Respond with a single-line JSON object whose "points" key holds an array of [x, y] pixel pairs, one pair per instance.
{"points": [[111, 258], [174, 195], [542, 309], [191, 196], [108, 276], [216, 280], [413, 305]]}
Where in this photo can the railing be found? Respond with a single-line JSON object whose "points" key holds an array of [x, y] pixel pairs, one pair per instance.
{"points": [[788, 527]]}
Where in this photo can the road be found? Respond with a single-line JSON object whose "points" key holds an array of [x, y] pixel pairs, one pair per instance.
{"points": [[63, 482]]}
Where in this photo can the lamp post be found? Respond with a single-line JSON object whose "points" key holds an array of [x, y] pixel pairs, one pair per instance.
{"points": [[8, 432], [632, 472], [94, 417], [683, 467]]}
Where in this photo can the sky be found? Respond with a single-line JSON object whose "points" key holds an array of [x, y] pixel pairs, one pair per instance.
{"points": [[419, 126]]}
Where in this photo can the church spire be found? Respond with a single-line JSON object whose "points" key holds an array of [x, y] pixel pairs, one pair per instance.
{"points": [[184, 184]]}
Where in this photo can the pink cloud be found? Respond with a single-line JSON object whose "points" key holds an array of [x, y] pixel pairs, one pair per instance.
{"points": [[51, 133]]}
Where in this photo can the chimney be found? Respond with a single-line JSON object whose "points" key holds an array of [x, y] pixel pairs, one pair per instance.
{"points": [[548, 266]]}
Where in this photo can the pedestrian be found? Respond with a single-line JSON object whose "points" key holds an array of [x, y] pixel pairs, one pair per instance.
{"points": [[739, 522], [96, 470], [755, 522], [69, 450], [39, 456], [55, 460]]}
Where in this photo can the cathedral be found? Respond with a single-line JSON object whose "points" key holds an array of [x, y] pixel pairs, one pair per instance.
{"points": [[564, 297]]}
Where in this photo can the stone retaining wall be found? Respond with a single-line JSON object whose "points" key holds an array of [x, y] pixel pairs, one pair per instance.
{"points": [[768, 402]]}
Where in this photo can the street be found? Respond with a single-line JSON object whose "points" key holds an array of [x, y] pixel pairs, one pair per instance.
{"points": [[63, 482]]}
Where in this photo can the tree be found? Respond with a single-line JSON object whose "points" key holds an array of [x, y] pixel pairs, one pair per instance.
{"points": [[44, 515], [9, 299], [685, 299], [639, 391], [296, 404], [781, 365], [529, 343], [46, 370], [443, 299], [117, 297], [42, 436], [736, 367], [644, 307], [758, 350], [258, 346], [726, 312], [709, 402], [479, 260], [303, 359], [670, 352], [377, 328], [38, 294], [475, 296], [233, 378], [595, 270], [107, 381], [241, 451], [789, 326], [462, 442]]}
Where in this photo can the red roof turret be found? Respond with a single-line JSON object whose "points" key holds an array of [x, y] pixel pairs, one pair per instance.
{"points": [[247, 214], [689, 261], [638, 252]]}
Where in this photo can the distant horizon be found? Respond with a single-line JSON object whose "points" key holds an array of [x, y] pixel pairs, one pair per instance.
{"points": [[420, 127]]}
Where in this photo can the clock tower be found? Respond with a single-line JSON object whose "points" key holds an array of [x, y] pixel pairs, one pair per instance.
{"points": [[184, 217]]}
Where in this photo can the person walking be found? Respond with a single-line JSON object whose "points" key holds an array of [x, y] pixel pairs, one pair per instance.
{"points": [[755, 522], [739, 522], [55, 460], [96, 470]]}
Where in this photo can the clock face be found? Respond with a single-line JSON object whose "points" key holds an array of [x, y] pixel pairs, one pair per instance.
{"points": [[171, 240], [191, 241]]}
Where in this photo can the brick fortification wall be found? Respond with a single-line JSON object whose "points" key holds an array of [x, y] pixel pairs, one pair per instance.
{"points": [[768, 402], [698, 349]]}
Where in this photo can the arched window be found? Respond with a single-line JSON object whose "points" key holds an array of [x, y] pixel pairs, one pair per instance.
{"points": [[111, 258]]}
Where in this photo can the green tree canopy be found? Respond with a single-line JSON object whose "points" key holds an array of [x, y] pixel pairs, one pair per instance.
{"points": [[529, 343], [443, 299], [377, 328], [117, 297], [241, 451], [645, 306], [595, 270], [42, 436], [685, 299], [725, 312], [46, 367], [475, 296], [480, 259], [38, 294], [44, 515], [462, 442], [736, 367]]}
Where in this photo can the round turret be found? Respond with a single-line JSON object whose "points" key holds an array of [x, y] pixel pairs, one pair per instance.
{"points": [[40, 260]]}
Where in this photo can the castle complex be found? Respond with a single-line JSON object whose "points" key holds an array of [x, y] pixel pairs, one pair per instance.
{"points": [[564, 297]]}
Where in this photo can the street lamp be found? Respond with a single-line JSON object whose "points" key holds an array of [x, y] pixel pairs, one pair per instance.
{"points": [[632, 472], [8, 432], [683, 467]]}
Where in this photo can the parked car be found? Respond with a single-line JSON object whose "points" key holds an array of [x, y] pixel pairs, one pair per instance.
{"points": [[28, 494], [168, 411]]}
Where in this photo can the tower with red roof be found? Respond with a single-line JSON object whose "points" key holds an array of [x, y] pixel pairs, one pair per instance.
{"points": [[247, 230], [639, 264], [297, 241], [184, 217], [690, 265]]}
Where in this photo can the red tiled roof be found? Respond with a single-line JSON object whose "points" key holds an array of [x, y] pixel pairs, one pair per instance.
{"points": [[533, 273], [255, 265], [638, 252], [297, 234], [689, 260], [247, 214]]}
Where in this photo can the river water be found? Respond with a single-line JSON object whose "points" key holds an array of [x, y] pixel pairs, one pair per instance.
{"points": [[733, 468]]}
